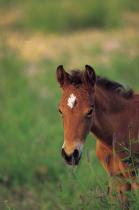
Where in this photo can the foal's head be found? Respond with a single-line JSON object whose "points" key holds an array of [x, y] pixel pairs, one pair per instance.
{"points": [[76, 108]]}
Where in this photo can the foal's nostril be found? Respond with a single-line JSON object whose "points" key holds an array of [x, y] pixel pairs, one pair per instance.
{"points": [[76, 154], [65, 156]]}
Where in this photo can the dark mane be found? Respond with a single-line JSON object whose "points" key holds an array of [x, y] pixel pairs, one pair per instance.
{"points": [[76, 78], [114, 87]]}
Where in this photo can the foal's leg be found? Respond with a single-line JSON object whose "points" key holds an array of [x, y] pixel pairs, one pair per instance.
{"points": [[119, 185], [122, 188], [115, 169], [134, 184], [104, 155]]}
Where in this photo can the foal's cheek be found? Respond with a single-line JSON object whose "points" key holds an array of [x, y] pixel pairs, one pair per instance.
{"points": [[85, 129]]}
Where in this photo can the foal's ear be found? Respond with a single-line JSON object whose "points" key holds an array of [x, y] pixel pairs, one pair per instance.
{"points": [[89, 75], [62, 75]]}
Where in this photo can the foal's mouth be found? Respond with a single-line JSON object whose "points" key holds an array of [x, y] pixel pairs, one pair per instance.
{"points": [[73, 162]]}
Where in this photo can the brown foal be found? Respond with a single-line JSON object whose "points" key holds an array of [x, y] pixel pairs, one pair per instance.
{"points": [[94, 104]]}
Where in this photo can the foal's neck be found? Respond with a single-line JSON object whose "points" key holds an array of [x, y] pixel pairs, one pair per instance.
{"points": [[107, 106]]}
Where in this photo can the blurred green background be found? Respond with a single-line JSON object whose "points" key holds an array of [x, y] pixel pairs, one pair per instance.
{"points": [[35, 37]]}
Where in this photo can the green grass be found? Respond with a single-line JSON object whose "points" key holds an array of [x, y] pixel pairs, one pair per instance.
{"points": [[63, 15], [33, 176], [31, 138]]}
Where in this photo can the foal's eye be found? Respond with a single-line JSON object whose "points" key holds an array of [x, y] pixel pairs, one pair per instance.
{"points": [[89, 113], [59, 110]]}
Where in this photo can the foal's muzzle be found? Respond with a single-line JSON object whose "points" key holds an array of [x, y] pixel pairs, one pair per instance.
{"points": [[72, 159]]}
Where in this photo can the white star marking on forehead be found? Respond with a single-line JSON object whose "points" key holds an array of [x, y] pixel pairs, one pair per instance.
{"points": [[71, 101]]}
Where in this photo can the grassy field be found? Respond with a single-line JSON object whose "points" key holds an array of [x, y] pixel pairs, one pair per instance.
{"points": [[63, 15], [33, 175]]}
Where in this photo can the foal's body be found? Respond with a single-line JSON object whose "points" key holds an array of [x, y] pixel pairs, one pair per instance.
{"points": [[116, 126], [116, 120], [105, 108]]}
